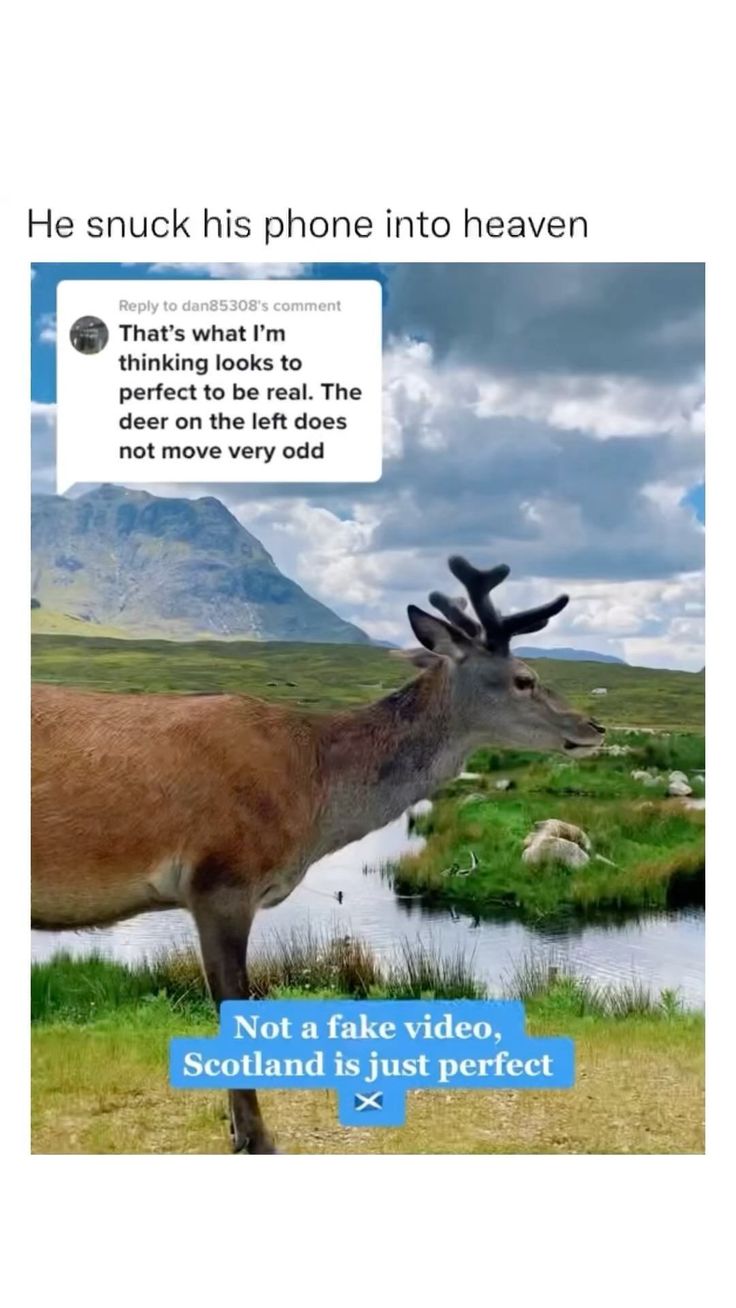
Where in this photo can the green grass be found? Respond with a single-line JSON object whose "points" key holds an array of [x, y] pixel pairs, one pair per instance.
{"points": [[50, 623], [651, 849], [311, 676], [336, 676]]}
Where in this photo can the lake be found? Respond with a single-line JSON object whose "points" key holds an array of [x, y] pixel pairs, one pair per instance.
{"points": [[664, 950]]}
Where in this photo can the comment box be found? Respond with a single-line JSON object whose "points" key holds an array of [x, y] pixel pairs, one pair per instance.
{"points": [[372, 1051], [242, 381]]}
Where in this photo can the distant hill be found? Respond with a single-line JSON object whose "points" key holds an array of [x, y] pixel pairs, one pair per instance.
{"points": [[580, 655], [146, 565]]}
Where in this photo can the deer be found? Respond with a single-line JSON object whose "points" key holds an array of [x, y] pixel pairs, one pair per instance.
{"points": [[220, 803]]}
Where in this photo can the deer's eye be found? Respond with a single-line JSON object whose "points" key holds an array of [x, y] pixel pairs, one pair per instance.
{"points": [[523, 682]]}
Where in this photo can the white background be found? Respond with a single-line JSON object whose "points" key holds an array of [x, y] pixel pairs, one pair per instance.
{"points": [[618, 111]]}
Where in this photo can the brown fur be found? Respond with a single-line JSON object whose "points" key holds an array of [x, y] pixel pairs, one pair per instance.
{"points": [[122, 783]]}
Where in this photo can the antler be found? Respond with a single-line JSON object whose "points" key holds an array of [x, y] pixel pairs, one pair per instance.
{"points": [[453, 610], [496, 630], [479, 584]]}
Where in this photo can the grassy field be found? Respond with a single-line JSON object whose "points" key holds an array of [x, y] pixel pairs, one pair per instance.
{"points": [[100, 1045], [335, 676], [313, 676]]}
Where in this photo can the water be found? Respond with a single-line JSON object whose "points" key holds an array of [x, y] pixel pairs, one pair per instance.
{"points": [[664, 950]]}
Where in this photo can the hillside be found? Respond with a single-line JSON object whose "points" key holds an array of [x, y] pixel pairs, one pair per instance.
{"points": [[565, 652], [45, 622], [128, 561]]}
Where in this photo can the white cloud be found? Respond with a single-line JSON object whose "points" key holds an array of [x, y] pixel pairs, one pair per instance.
{"points": [[440, 468], [43, 447], [252, 271], [329, 555], [665, 652], [603, 406], [47, 328]]}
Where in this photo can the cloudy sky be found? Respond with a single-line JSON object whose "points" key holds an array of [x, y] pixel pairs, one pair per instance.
{"points": [[548, 416]]}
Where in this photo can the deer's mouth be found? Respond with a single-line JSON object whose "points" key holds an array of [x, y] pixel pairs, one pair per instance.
{"points": [[582, 749]]}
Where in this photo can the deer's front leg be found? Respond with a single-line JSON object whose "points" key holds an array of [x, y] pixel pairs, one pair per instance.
{"points": [[223, 926]]}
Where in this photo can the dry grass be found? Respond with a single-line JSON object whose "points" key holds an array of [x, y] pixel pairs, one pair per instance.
{"points": [[639, 1090]]}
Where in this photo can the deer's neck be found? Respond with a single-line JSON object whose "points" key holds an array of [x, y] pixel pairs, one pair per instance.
{"points": [[379, 760]]}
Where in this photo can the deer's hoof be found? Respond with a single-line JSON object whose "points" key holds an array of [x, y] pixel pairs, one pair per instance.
{"points": [[257, 1145]]}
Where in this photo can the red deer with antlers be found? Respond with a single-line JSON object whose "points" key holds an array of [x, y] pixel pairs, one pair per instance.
{"points": [[219, 804]]}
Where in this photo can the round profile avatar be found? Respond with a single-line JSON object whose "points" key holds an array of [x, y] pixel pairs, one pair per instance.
{"points": [[89, 335]]}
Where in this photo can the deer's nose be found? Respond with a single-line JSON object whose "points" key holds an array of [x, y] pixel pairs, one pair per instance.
{"points": [[597, 726]]}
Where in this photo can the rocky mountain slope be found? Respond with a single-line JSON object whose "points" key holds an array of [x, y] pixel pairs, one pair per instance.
{"points": [[168, 567]]}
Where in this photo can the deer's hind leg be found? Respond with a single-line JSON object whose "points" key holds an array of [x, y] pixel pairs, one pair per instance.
{"points": [[223, 921]]}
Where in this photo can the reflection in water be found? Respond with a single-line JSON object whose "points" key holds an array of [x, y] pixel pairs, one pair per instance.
{"points": [[346, 891]]}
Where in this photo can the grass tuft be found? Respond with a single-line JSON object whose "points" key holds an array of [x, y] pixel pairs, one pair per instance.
{"points": [[554, 989], [305, 962]]}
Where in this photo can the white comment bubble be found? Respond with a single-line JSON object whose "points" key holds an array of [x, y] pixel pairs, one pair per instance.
{"points": [[243, 381]]}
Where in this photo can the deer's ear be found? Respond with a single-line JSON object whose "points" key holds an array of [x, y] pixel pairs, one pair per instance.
{"points": [[438, 636], [420, 657]]}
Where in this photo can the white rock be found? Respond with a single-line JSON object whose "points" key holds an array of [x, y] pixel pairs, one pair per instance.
{"points": [[503, 783], [421, 807], [564, 830], [646, 777], [616, 751], [679, 788], [600, 690], [552, 849], [678, 776]]}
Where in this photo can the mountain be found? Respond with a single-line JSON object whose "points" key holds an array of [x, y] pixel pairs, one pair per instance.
{"points": [[177, 568], [580, 655]]}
